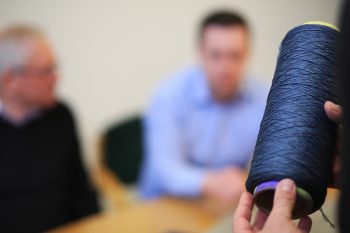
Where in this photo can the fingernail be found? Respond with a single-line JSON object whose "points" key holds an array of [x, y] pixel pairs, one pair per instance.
{"points": [[286, 185], [335, 108]]}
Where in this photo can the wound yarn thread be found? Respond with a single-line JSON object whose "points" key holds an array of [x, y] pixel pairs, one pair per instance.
{"points": [[296, 139]]}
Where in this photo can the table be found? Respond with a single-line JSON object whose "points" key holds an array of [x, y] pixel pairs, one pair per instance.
{"points": [[160, 216]]}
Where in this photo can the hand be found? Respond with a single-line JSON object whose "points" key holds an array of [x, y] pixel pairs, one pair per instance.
{"points": [[225, 185], [334, 113], [280, 218]]}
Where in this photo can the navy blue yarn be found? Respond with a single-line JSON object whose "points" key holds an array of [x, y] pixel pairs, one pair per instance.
{"points": [[296, 139]]}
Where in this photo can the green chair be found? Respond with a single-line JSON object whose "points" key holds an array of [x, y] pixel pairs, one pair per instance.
{"points": [[123, 149]]}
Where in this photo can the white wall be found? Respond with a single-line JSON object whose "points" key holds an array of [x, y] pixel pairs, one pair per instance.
{"points": [[113, 53]]}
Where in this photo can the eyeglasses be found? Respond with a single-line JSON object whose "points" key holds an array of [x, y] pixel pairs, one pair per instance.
{"points": [[44, 71]]}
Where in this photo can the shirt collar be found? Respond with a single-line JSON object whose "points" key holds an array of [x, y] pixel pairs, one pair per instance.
{"points": [[32, 115], [203, 94]]}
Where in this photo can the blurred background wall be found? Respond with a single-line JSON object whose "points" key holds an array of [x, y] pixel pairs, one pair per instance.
{"points": [[112, 53]]}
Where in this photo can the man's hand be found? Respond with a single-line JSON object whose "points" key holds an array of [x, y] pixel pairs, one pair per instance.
{"points": [[280, 218], [333, 111], [224, 185]]}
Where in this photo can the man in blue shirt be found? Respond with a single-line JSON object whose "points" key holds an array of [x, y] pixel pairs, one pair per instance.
{"points": [[202, 124]]}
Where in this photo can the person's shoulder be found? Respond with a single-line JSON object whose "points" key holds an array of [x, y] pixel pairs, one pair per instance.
{"points": [[62, 110], [256, 87], [62, 106]]}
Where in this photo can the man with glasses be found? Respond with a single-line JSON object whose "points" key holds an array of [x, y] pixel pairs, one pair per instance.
{"points": [[42, 180]]}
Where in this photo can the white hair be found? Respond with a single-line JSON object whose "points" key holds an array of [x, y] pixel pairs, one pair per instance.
{"points": [[13, 51]]}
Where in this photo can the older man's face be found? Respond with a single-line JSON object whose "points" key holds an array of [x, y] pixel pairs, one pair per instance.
{"points": [[223, 53], [35, 80]]}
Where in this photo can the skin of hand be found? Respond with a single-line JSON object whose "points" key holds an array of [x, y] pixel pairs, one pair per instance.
{"points": [[224, 185], [280, 218], [333, 111]]}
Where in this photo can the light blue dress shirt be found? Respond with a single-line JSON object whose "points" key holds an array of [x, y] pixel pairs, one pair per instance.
{"points": [[188, 133]]}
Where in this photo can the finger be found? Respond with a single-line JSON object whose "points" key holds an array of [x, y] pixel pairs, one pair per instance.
{"points": [[333, 111], [260, 219], [242, 215], [284, 199], [305, 224]]}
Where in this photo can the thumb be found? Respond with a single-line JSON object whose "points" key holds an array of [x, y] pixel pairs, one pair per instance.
{"points": [[284, 199]]}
